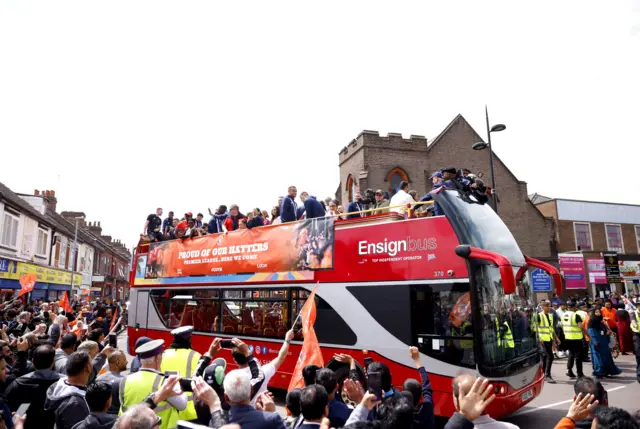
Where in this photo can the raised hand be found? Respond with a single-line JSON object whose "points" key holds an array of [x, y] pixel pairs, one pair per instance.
{"points": [[582, 407], [473, 404]]}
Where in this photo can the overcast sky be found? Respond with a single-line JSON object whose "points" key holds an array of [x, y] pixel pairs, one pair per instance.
{"points": [[123, 106]]}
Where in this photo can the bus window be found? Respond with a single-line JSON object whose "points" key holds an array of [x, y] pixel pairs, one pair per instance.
{"points": [[330, 327], [256, 312], [198, 308], [508, 321], [442, 324]]}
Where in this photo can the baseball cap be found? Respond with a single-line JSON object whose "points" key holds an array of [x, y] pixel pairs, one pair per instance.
{"points": [[450, 170], [436, 174]]}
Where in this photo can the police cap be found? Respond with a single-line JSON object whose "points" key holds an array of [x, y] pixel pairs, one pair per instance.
{"points": [[571, 303], [183, 331], [151, 349]]}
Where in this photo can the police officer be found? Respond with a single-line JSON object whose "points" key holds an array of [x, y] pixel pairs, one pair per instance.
{"points": [[548, 339], [574, 332], [179, 357], [635, 327], [582, 312], [151, 386]]}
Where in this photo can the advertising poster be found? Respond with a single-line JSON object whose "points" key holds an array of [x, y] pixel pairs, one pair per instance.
{"points": [[597, 273], [630, 269], [572, 269], [612, 268], [305, 245]]}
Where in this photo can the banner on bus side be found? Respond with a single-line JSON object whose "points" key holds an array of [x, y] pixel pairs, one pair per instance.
{"points": [[304, 245]]}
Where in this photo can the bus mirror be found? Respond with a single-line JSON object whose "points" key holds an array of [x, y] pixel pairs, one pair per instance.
{"points": [[505, 267], [549, 269]]}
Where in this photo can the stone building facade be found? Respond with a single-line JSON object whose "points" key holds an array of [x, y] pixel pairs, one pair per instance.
{"points": [[374, 161]]}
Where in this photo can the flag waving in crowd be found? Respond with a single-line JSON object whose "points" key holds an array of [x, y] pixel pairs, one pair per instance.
{"points": [[27, 283], [310, 353], [64, 303]]}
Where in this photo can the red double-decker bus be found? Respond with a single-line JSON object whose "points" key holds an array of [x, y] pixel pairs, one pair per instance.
{"points": [[446, 284]]}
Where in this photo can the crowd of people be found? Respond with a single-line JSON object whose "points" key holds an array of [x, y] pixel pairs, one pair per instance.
{"points": [[65, 367], [596, 331], [288, 209], [49, 355]]}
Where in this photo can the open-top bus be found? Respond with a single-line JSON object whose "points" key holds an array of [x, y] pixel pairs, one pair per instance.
{"points": [[446, 284]]}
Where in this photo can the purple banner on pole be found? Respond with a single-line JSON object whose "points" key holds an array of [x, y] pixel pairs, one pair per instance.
{"points": [[572, 269]]}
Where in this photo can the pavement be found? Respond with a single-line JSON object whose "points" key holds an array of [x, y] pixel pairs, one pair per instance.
{"points": [[554, 402]]}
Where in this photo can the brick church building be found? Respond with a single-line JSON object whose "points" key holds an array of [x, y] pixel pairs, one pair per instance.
{"points": [[382, 162]]}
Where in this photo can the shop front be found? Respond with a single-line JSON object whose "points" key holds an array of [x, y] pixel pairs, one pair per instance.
{"points": [[50, 283]]}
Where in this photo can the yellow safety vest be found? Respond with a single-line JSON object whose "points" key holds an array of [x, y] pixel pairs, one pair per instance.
{"points": [[464, 344], [184, 361], [508, 336], [583, 314], [544, 327], [134, 388], [570, 327], [635, 327]]}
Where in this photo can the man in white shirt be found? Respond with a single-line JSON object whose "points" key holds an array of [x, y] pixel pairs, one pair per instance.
{"points": [[462, 384], [401, 198], [271, 368]]}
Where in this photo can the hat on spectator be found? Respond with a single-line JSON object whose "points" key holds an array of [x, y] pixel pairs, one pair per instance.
{"points": [[183, 331], [436, 174], [214, 373], [379, 191], [450, 170], [151, 349]]}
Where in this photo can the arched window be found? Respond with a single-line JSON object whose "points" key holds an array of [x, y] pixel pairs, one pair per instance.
{"points": [[394, 177], [351, 189]]}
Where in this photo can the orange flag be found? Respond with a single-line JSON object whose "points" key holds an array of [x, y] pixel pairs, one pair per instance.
{"points": [[310, 353], [64, 303], [113, 319], [27, 283]]}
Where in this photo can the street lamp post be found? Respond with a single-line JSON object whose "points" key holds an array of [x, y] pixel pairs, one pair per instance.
{"points": [[482, 145], [75, 257]]}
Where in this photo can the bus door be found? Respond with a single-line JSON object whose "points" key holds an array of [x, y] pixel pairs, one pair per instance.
{"points": [[441, 322], [142, 310]]}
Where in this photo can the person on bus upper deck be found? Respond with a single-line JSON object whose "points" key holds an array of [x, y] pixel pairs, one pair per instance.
{"points": [[153, 226], [300, 210], [401, 198], [437, 182], [381, 205], [356, 206], [289, 208], [313, 208], [232, 223], [167, 223], [216, 222], [182, 358]]}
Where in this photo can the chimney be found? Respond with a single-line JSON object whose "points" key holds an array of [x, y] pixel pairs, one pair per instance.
{"points": [[52, 201], [106, 238], [36, 192], [95, 228]]}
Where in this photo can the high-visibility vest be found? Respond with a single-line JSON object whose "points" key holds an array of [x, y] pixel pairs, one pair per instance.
{"points": [[134, 388], [570, 327], [184, 361], [464, 344], [507, 342], [583, 314], [544, 327], [635, 327]]}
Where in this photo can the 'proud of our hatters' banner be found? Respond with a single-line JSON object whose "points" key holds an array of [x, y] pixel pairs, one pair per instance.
{"points": [[304, 245]]}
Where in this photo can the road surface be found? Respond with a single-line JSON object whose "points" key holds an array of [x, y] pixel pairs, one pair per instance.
{"points": [[548, 408]]}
